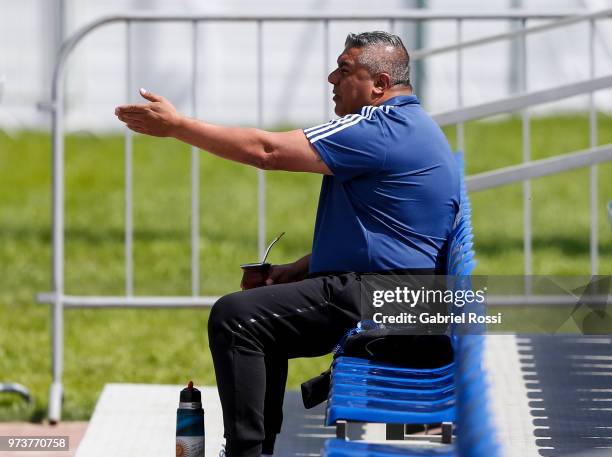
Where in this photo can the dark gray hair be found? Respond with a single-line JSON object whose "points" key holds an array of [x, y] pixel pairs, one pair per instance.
{"points": [[382, 53]]}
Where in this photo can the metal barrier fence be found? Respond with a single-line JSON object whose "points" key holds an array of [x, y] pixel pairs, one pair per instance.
{"points": [[59, 299], [526, 147]]}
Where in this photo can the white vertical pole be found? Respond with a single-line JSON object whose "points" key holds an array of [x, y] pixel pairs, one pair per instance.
{"points": [[261, 177], [526, 128], [57, 354], [460, 126], [129, 224], [593, 144], [195, 172]]}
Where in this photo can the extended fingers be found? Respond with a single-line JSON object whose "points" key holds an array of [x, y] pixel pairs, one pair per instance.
{"points": [[136, 123], [136, 127], [131, 117], [151, 96], [124, 109]]}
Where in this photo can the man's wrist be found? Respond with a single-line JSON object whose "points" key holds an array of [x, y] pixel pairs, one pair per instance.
{"points": [[178, 128], [301, 266]]}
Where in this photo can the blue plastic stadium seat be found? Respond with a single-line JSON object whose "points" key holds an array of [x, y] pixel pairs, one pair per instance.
{"points": [[399, 382], [360, 366], [393, 393], [369, 409], [341, 448]]}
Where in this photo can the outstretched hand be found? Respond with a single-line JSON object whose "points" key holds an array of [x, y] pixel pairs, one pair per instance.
{"points": [[158, 118]]}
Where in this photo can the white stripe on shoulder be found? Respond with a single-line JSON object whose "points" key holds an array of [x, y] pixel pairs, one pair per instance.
{"points": [[309, 129], [327, 124], [336, 130], [330, 130], [324, 130], [330, 125]]}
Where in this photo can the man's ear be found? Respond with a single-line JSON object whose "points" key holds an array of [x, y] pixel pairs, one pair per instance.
{"points": [[382, 83]]}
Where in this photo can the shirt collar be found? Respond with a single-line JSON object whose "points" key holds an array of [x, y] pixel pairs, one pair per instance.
{"points": [[401, 100]]}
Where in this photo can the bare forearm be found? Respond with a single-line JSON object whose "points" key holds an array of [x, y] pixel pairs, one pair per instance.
{"points": [[245, 145], [303, 264]]}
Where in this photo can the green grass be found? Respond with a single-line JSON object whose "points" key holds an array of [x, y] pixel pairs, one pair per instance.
{"points": [[170, 346]]}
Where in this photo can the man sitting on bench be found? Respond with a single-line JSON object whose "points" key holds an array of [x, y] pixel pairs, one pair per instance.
{"points": [[389, 196]]}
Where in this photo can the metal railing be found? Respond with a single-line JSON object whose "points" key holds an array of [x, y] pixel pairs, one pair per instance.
{"points": [[522, 34], [59, 299], [532, 169]]}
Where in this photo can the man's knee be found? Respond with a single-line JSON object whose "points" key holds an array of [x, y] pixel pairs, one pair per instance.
{"points": [[225, 311]]}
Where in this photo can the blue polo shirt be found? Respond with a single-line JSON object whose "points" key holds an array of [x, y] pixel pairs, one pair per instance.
{"points": [[394, 193]]}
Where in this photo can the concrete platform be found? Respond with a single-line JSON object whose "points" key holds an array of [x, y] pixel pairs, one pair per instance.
{"points": [[551, 395], [132, 420], [509, 397]]}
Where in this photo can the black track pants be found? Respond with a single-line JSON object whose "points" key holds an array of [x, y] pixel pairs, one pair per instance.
{"points": [[253, 333]]}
